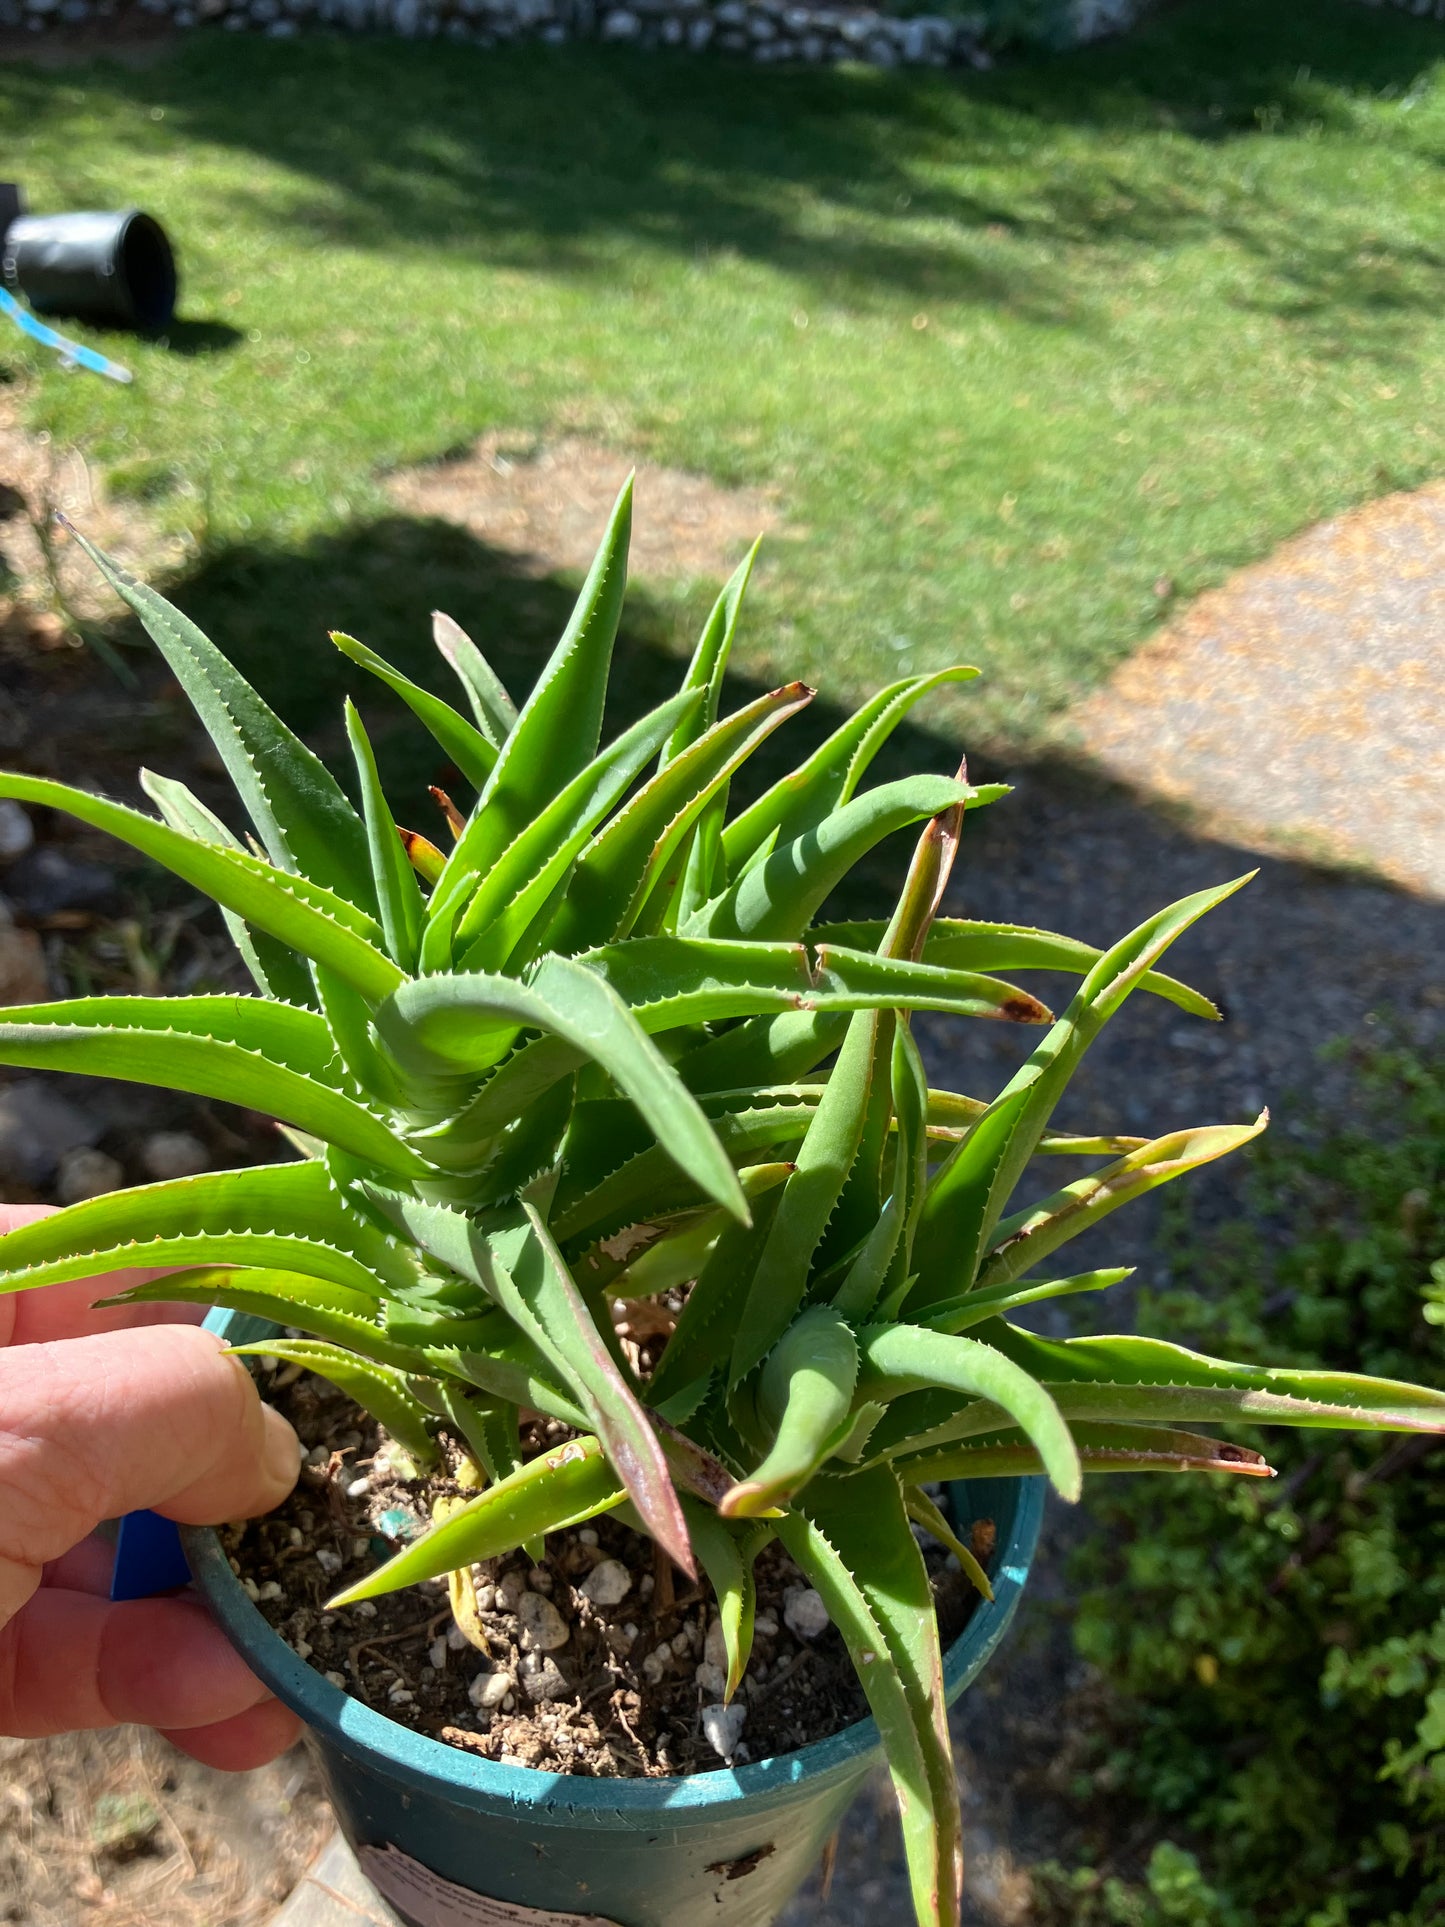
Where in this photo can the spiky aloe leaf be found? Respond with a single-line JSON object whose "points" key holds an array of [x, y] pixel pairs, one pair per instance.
{"points": [[377, 1389], [561, 1488], [560, 724], [1029, 1236], [806, 1395], [398, 896], [526, 875], [275, 969], [923, 1512], [628, 861], [464, 1023], [305, 915], [517, 1263], [332, 1312], [299, 811], [973, 1307], [801, 800], [493, 708], [957, 943], [474, 755], [967, 1197], [289, 1217], [726, 1554], [898, 1359], [781, 896], [1102, 1448], [853, 1540], [243, 1050]]}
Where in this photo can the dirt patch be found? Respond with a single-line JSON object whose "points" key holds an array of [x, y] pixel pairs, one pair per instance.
{"points": [[545, 504], [127, 35], [120, 1827], [598, 1660]]}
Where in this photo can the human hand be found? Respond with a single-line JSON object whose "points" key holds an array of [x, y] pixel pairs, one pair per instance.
{"points": [[102, 1412]]}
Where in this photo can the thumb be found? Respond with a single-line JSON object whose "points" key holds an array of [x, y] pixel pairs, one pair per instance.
{"points": [[93, 1427]]}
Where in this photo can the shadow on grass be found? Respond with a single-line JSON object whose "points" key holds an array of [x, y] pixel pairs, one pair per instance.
{"points": [[861, 181]]}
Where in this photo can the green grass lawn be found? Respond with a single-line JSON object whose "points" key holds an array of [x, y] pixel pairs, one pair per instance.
{"points": [[1014, 348]]}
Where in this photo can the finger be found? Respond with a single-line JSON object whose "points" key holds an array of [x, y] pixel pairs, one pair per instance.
{"points": [[95, 1427], [84, 1568], [236, 1745], [69, 1661]]}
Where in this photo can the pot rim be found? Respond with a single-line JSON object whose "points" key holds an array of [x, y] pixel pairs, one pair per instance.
{"points": [[432, 1766]]}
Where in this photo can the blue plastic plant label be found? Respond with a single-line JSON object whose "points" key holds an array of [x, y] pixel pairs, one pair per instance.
{"points": [[148, 1557], [424, 1899]]}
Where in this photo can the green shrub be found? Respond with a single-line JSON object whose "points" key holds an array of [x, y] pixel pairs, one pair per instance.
{"points": [[1275, 1655]]}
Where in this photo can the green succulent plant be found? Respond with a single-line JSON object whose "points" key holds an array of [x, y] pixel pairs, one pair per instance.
{"points": [[603, 1049]]}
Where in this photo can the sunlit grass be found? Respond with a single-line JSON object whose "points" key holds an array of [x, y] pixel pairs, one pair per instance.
{"points": [[1026, 355]]}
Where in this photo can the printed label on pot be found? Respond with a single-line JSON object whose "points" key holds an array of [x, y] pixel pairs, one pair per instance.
{"points": [[430, 1901]]}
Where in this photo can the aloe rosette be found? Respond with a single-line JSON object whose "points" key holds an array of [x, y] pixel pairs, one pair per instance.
{"points": [[602, 1048]]}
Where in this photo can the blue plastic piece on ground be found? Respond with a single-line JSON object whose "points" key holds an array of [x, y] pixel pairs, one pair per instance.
{"points": [[148, 1557], [70, 351]]}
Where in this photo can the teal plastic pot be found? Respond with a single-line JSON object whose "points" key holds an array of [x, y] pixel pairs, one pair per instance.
{"points": [[435, 1827]]}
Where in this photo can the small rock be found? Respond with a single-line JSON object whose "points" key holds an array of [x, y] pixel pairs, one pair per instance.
{"points": [[656, 1663], [45, 881], [174, 1154], [37, 1128], [17, 832], [272, 1589], [511, 1589], [456, 1639], [619, 24], [437, 1655], [87, 1174], [399, 1696], [337, 1679], [680, 1644], [488, 1690], [357, 1487], [712, 1679], [765, 1626], [587, 1536], [608, 1584], [547, 1683], [252, 1591], [302, 1648], [330, 1562], [544, 1630], [722, 1727], [805, 1612], [715, 1647], [539, 1579]]}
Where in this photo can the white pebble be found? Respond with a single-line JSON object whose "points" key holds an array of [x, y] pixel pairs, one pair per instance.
{"points": [[17, 832], [437, 1655], [85, 1173], [765, 1626], [330, 1562], [337, 1679], [488, 1690], [456, 1638], [656, 1663], [680, 1644], [174, 1154], [318, 1456], [360, 1548], [539, 1579], [587, 1536], [805, 1612], [486, 1598], [715, 1647], [399, 1696], [302, 1648], [366, 1609], [544, 1629], [272, 1590], [294, 1535], [722, 1727], [509, 1705], [608, 1584], [251, 1590], [712, 1679], [645, 1585], [357, 1487]]}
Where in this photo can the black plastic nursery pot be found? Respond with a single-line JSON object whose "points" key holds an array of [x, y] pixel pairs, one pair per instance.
{"points": [[453, 1840], [116, 270]]}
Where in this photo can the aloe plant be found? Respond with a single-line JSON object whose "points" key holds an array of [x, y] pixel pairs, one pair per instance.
{"points": [[603, 1048]]}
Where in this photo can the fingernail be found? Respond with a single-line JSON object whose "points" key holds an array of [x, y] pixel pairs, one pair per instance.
{"points": [[281, 1453]]}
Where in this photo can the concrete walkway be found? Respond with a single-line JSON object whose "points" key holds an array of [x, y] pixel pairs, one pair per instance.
{"points": [[1305, 699]]}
